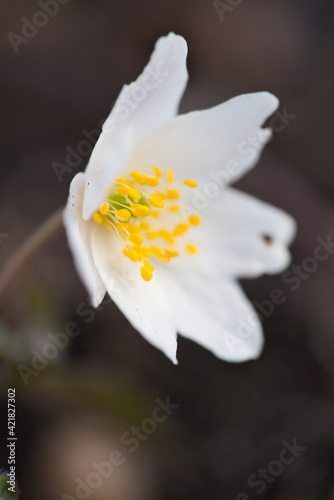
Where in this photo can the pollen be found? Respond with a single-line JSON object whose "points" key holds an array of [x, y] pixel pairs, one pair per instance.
{"points": [[157, 201], [191, 248], [195, 220], [146, 273], [136, 238], [134, 193], [140, 208], [169, 176], [123, 215], [190, 183], [173, 194], [97, 217]]}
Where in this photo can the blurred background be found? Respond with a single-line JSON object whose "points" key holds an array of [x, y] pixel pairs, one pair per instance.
{"points": [[231, 420]]}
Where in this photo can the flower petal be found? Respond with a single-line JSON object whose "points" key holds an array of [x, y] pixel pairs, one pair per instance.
{"points": [[243, 237], [144, 304], [149, 101], [78, 235], [98, 183], [216, 315], [223, 142]]}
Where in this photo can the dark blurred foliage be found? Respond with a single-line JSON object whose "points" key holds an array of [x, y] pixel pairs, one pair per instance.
{"points": [[232, 419]]}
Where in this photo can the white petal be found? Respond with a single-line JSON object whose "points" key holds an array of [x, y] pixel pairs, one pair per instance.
{"points": [[216, 315], [222, 142], [98, 182], [233, 237], [149, 101], [78, 234], [144, 304]]}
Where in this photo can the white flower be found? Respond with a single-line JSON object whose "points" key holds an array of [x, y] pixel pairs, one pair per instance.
{"points": [[150, 223]]}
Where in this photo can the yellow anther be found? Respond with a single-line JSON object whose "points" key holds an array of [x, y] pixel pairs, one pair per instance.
{"points": [[169, 176], [146, 252], [146, 273], [98, 218], [194, 220], [151, 236], [157, 171], [152, 181], [139, 210], [139, 177], [171, 252], [166, 235], [172, 194], [123, 190], [123, 215], [136, 238], [121, 180], [134, 193], [181, 229], [134, 228], [174, 209], [190, 183], [104, 208], [164, 259], [133, 255], [156, 251], [122, 228], [157, 201], [191, 248], [148, 265], [155, 214], [144, 225]]}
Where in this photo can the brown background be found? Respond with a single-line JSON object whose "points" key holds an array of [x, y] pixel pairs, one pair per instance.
{"points": [[232, 418]]}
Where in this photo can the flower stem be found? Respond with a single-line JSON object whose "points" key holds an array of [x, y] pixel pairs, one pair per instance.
{"points": [[39, 238]]}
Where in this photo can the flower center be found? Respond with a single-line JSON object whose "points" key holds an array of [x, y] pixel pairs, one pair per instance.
{"points": [[146, 213]]}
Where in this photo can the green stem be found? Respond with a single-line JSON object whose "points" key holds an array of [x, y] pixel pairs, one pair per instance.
{"points": [[39, 238]]}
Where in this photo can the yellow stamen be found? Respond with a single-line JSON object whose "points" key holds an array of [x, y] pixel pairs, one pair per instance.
{"points": [[146, 273], [123, 190], [121, 180], [123, 215], [144, 225], [174, 209], [122, 228], [140, 178], [139, 210], [136, 238], [133, 255], [152, 181], [134, 228], [191, 248], [157, 171], [157, 201], [104, 208], [190, 183], [171, 252], [148, 265], [194, 220], [169, 176], [172, 194], [97, 217], [181, 229], [134, 193]]}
